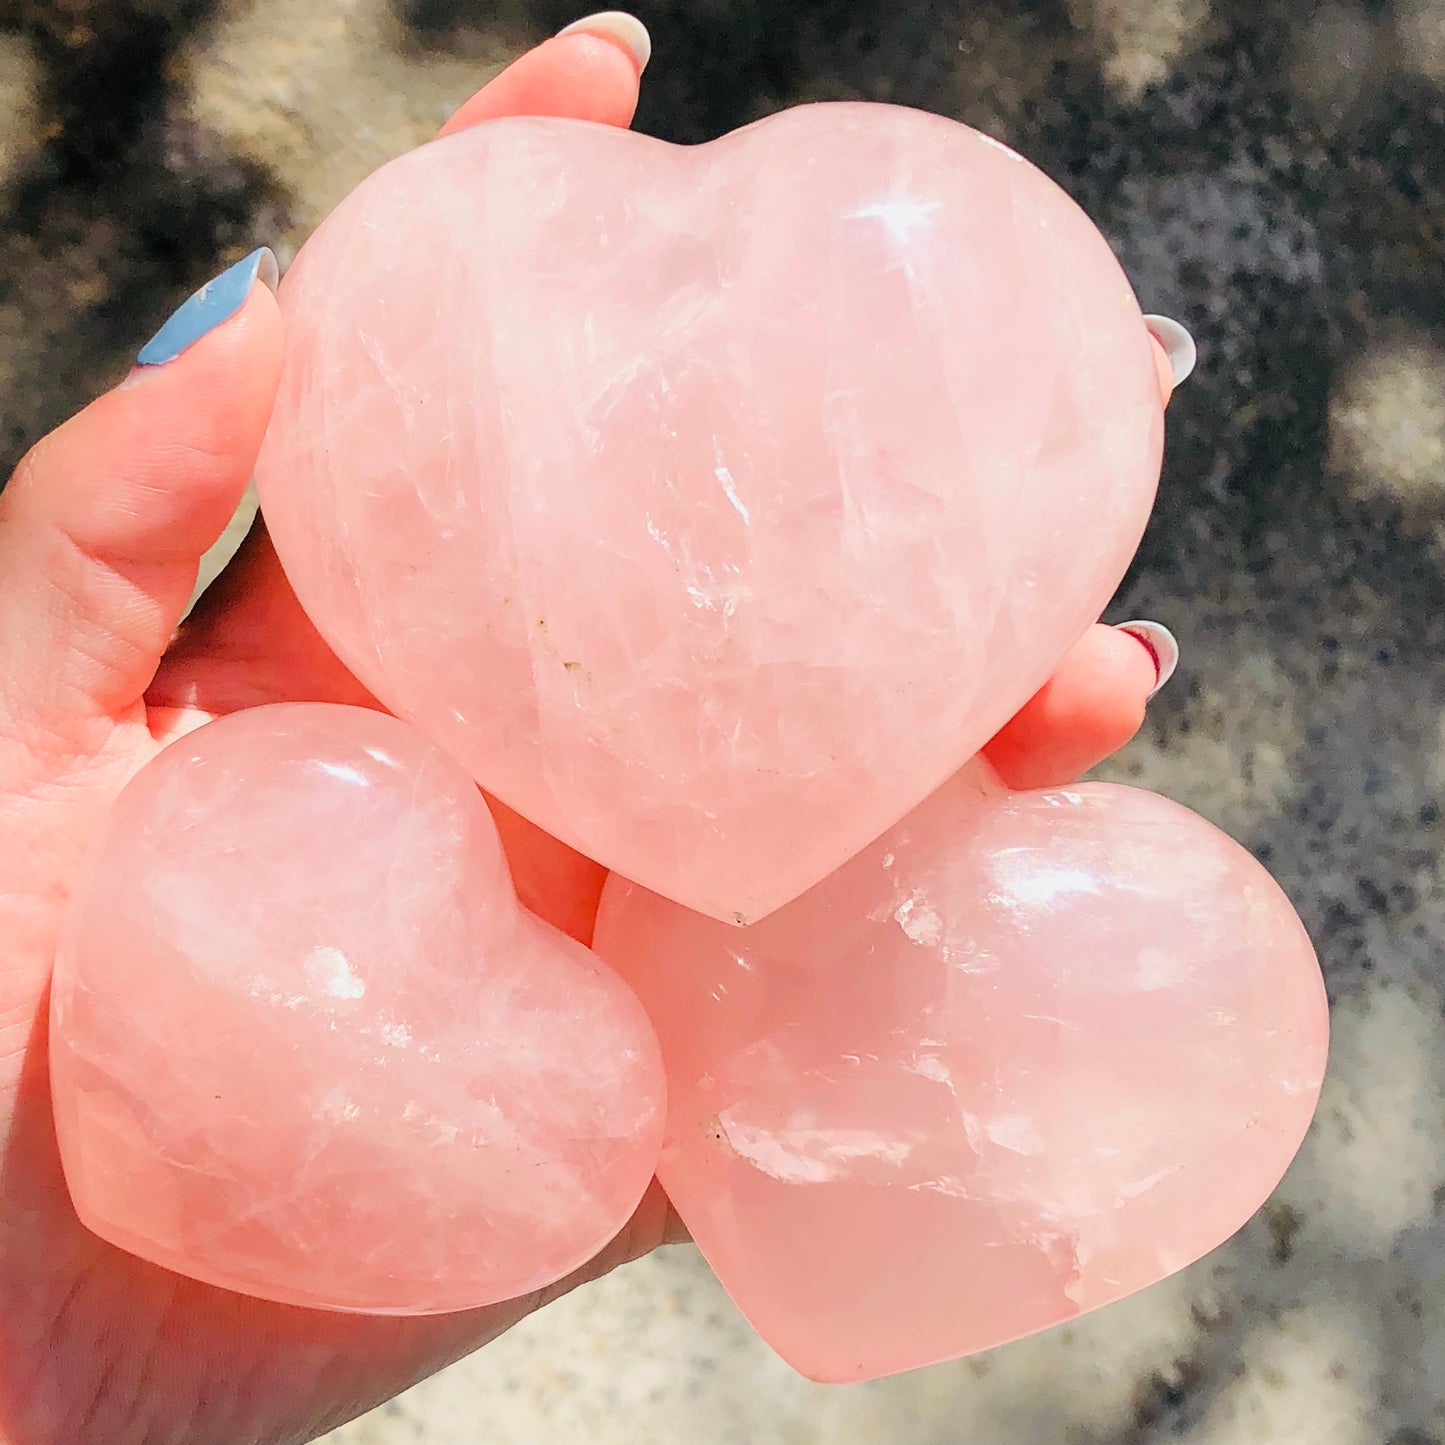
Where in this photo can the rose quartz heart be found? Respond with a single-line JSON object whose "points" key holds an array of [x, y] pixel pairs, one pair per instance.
{"points": [[1027, 1054], [711, 504], [306, 1045]]}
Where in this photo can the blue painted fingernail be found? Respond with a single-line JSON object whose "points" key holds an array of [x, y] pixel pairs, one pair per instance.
{"points": [[216, 302]]}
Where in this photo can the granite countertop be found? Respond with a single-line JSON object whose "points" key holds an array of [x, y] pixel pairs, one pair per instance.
{"points": [[1269, 174]]}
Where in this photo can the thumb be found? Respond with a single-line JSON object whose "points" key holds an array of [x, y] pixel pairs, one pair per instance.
{"points": [[104, 523]]}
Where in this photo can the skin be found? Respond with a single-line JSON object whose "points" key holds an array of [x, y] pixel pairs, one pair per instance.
{"points": [[101, 531]]}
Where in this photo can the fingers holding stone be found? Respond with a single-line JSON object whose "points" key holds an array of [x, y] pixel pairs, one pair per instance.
{"points": [[588, 72], [105, 522], [1092, 705]]}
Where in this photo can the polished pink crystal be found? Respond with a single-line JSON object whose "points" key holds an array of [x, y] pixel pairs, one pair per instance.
{"points": [[1028, 1053], [306, 1045], [711, 504]]}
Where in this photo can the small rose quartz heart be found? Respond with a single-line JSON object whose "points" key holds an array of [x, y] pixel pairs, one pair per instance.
{"points": [[306, 1045], [1028, 1053], [712, 505]]}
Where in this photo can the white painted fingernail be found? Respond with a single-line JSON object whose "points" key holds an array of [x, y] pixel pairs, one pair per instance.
{"points": [[616, 25], [1163, 648], [1178, 346]]}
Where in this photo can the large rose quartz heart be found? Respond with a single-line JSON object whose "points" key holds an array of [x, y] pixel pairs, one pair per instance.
{"points": [[306, 1045], [711, 505], [1027, 1054]]}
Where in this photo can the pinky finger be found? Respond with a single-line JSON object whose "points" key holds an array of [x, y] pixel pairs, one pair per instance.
{"points": [[1092, 705]]}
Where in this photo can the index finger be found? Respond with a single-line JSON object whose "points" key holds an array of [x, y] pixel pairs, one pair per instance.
{"points": [[590, 72]]}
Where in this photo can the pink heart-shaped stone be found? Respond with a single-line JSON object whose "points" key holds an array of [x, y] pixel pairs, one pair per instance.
{"points": [[306, 1045], [1028, 1053], [712, 505]]}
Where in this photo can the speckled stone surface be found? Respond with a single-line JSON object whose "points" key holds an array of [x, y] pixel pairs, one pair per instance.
{"points": [[1269, 172]]}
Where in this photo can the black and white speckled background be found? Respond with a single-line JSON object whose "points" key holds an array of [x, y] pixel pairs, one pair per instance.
{"points": [[1272, 173]]}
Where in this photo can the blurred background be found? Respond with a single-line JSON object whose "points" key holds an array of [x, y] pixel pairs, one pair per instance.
{"points": [[1272, 173]]}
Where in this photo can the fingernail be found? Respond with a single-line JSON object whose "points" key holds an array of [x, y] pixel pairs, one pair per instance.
{"points": [[1163, 647], [627, 30], [216, 302], [1178, 346]]}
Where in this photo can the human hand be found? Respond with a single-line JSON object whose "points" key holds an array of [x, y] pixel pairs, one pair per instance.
{"points": [[101, 531]]}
